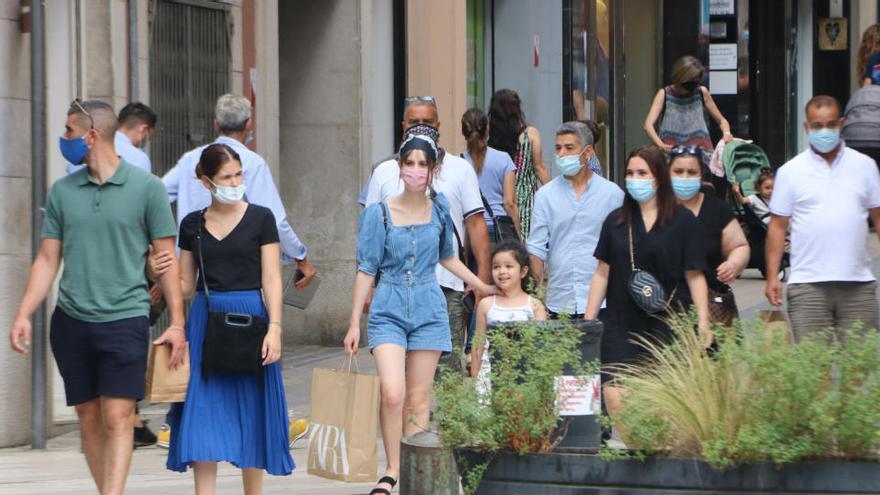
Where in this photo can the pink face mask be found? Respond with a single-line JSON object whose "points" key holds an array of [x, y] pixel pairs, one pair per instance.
{"points": [[415, 178]]}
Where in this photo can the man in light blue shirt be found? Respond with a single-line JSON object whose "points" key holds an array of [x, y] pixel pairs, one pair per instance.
{"points": [[566, 220], [232, 121], [137, 124]]}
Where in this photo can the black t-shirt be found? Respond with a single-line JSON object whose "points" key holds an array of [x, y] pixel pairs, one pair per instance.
{"points": [[232, 263], [714, 216], [666, 252]]}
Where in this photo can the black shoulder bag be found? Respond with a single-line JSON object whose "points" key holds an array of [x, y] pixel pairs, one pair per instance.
{"points": [[233, 341], [644, 288], [504, 226]]}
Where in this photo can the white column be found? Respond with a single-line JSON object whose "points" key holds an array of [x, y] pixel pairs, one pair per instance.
{"points": [[15, 213]]}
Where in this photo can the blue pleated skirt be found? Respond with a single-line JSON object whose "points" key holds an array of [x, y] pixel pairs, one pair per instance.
{"points": [[241, 419]]}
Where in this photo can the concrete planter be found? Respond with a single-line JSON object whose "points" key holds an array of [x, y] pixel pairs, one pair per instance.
{"points": [[582, 474]]}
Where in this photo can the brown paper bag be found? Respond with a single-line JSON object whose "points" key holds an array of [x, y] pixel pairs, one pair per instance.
{"points": [[345, 413], [775, 322], [163, 384]]}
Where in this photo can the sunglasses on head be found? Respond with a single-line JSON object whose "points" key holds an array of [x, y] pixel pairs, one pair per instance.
{"points": [[77, 105], [692, 150]]}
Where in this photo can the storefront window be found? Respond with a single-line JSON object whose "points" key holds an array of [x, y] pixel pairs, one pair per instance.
{"points": [[476, 72], [586, 67]]}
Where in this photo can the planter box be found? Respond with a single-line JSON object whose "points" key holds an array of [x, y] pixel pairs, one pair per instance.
{"points": [[582, 474], [584, 432]]}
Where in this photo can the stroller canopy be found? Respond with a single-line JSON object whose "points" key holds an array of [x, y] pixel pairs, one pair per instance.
{"points": [[743, 164]]}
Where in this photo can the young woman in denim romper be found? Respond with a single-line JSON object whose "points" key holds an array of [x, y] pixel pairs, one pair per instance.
{"points": [[408, 328]]}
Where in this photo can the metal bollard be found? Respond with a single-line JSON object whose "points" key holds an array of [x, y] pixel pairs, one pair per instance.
{"points": [[425, 469]]}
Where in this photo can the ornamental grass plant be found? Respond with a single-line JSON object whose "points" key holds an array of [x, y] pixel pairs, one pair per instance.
{"points": [[757, 397]]}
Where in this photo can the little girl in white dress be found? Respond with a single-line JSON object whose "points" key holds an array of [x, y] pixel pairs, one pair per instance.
{"points": [[510, 273]]}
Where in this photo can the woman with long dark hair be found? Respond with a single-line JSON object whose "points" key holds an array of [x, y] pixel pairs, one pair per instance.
{"points": [[497, 174], [509, 133], [727, 250], [650, 232], [404, 239]]}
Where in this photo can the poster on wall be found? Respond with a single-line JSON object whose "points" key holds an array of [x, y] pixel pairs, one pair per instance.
{"points": [[722, 56], [722, 82], [832, 33], [721, 7]]}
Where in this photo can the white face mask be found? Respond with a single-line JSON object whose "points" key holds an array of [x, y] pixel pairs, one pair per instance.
{"points": [[228, 194]]}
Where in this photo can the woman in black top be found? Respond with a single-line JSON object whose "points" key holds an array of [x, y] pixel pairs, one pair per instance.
{"points": [[238, 418], [666, 243], [727, 250]]}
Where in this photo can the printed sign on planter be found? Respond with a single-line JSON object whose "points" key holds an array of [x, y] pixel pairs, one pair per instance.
{"points": [[578, 395]]}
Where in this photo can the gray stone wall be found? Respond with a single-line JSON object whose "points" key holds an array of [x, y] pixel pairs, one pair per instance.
{"points": [[322, 153], [15, 218]]}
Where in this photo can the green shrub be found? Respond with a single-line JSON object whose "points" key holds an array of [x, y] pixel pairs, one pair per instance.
{"points": [[757, 398], [520, 415]]}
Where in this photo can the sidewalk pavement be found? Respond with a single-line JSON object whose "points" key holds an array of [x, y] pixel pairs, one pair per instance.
{"points": [[61, 468]]}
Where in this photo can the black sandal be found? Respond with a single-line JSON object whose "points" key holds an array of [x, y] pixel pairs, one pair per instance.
{"points": [[383, 491]]}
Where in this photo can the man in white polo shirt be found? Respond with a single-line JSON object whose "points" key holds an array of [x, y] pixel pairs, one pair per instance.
{"points": [[825, 195]]}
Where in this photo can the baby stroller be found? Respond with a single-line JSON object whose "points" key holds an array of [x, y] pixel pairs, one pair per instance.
{"points": [[744, 162]]}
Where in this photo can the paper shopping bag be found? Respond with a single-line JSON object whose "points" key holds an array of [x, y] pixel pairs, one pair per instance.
{"points": [[345, 413], [775, 322], [164, 384]]}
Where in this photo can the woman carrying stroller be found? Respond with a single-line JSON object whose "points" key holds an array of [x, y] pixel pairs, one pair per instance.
{"points": [[727, 251]]}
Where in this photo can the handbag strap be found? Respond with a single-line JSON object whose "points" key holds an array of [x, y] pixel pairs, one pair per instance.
{"points": [[202, 258], [485, 201], [632, 257]]}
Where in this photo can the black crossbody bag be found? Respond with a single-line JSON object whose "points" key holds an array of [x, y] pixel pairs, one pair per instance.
{"points": [[233, 341], [644, 288]]}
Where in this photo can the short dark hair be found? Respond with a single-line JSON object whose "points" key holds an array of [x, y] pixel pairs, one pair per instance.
{"points": [[136, 113], [98, 114], [820, 101]]}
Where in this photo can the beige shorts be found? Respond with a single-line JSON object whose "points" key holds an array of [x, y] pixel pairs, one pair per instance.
{"points": [[816, 306]]}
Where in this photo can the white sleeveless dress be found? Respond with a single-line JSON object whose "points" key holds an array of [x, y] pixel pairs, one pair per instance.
{"points": [[495, 316]]}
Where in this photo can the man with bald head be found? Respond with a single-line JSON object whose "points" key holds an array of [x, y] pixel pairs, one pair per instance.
{"points": [[100, 221], [824, 197]]}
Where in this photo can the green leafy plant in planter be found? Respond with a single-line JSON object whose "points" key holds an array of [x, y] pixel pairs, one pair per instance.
{"points": [[520, 414], [757, 398]]}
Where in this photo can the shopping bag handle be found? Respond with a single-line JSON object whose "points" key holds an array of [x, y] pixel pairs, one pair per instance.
{"points": [[347, 359]]}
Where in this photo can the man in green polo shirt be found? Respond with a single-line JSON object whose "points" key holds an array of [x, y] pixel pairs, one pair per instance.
{"points": [[100, 221]]}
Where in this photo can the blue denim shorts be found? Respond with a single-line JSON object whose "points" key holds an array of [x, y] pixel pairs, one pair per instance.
{"points": [[411, 316]]}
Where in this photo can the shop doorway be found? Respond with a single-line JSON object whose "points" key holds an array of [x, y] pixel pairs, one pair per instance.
{"points": [[771, 72]]}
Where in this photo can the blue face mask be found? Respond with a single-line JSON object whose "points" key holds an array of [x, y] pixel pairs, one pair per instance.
{"points": [[569, 165], [686, 188], [641, 190], [74, 150], [825, 140]]}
